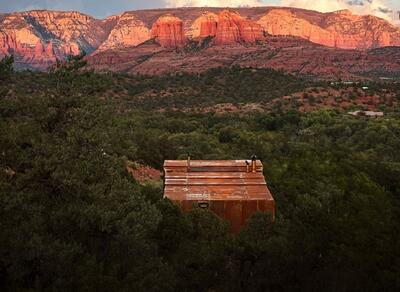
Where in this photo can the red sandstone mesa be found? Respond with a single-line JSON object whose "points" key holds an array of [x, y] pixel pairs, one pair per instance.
{"points": [[168, 31], [233, 28], [37, 38], [205, 25], [340, 29]]}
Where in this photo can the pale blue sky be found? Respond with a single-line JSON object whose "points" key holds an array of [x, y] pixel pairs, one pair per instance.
{"points": [[103, 8]]}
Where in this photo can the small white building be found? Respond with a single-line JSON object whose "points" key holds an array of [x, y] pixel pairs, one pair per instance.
{"points": [[371, 114]]}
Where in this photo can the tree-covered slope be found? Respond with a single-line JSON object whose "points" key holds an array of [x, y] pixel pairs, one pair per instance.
{"points": [[73, 219]]}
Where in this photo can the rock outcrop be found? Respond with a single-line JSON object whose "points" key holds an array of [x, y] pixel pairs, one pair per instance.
{"points": [[228, 28], [16, 34], [168, 31], [129, 31], [38, 50], [340, 29], [49, 49], [206, 25], [37, 38], [250, 31], [228, 31], [67, 27], [233, 28]]}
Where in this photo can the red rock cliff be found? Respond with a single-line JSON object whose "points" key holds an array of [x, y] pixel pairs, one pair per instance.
{"points": [[129, 31], [37, 37], [205, 25], [25, 35], [168, 31], [340, 29], [233, 28]]}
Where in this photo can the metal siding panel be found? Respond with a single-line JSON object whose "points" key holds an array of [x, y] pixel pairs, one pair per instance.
{"points": [[249, 208], [218, 207], [233, 213]]}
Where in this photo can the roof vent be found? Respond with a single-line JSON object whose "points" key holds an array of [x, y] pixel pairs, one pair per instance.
{"points": [[254, 163]]}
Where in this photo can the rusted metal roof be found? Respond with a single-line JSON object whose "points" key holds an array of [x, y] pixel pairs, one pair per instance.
{"points": [[239, 191]]}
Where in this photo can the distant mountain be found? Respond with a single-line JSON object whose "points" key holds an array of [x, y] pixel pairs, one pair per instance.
{"points": [[194, 39]]}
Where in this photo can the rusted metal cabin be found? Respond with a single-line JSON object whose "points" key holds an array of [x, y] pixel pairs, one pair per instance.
{"points": [[233, 189]]}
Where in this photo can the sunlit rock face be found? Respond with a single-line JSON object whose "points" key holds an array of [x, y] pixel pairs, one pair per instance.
{"points": [[228, 28], [340, 29], [205, 25], [38, 38], [232, 28], [168, 31], [129, 31], [16, 34]]}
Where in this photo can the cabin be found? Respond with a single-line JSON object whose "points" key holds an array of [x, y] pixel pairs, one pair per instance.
{"points": [[232, 189]]}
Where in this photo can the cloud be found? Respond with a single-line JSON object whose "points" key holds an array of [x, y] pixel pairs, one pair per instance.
{"points": [[213, 3], [378, 8]]}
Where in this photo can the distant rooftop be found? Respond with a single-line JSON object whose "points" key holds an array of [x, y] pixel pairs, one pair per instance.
{"points": [[231, 188]]}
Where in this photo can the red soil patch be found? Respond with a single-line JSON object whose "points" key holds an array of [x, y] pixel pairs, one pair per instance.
{"points": [[144, 173]]}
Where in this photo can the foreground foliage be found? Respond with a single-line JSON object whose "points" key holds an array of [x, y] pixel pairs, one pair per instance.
{"points": [[72, 219]]}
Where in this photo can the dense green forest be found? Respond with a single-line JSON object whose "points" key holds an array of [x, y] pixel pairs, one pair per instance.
{"points": [[73, 219]]}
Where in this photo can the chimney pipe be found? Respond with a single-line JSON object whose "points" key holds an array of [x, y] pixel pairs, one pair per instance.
{"points": [[254, 163], [247, 166], [188, 163]]}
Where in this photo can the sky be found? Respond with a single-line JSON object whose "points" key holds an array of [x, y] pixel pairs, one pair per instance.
{"points": [[388, 9]]}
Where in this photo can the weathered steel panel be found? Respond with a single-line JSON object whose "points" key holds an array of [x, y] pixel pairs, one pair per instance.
{"points": [[232, 189]]}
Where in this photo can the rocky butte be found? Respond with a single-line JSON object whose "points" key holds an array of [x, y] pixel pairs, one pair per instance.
{"points": [[205, 25], [168, 31], [233, 28], [196, 39], [228, 28]]}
